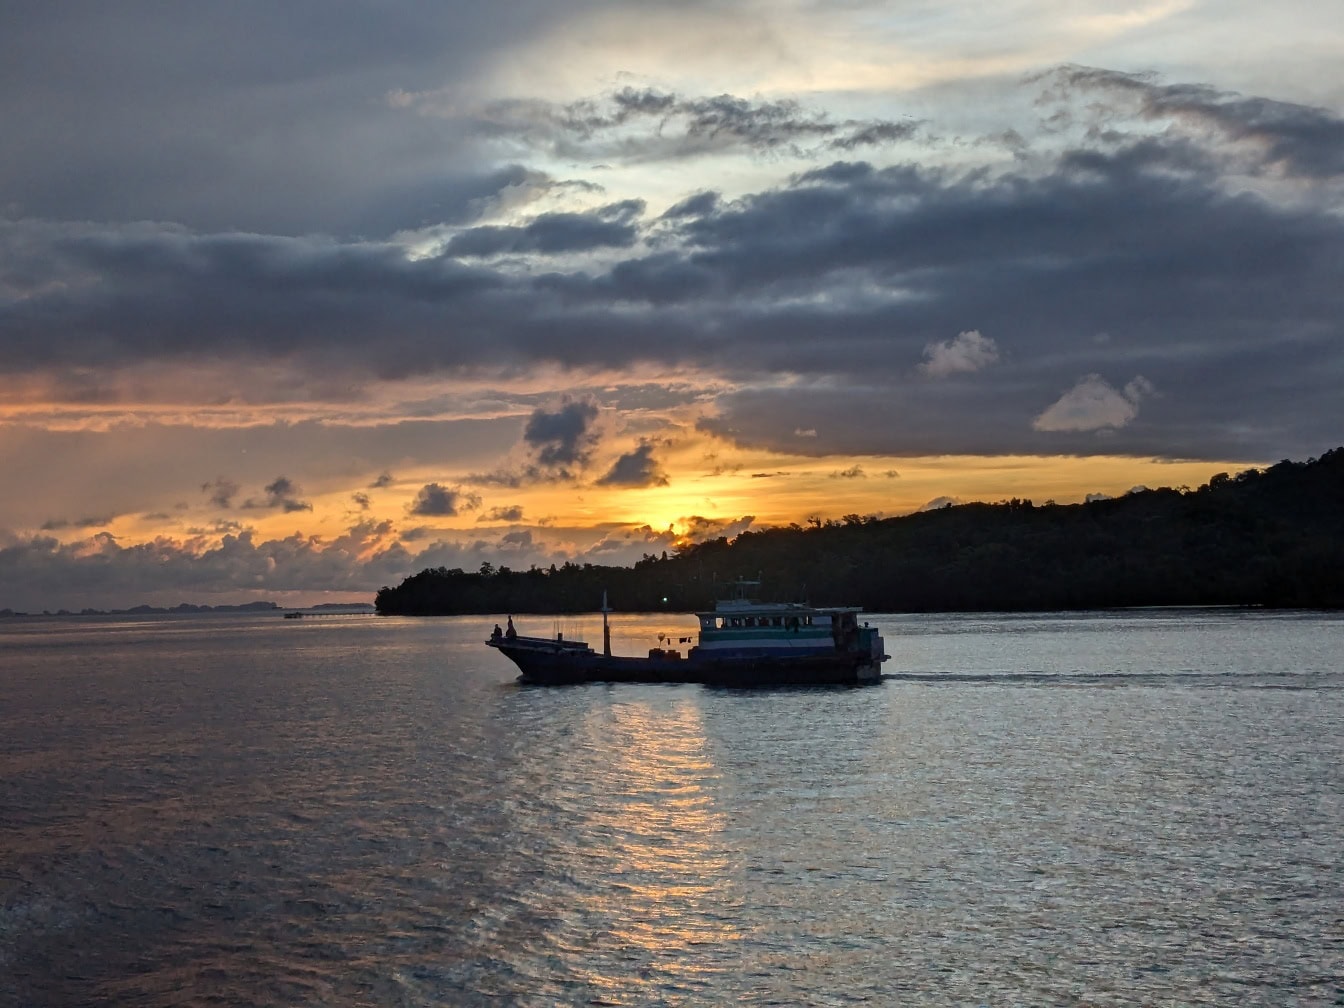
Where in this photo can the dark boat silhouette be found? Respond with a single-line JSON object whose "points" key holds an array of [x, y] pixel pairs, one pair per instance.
{"points": [[741, 642]]}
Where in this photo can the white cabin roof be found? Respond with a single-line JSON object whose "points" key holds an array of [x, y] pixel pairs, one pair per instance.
{"points": [[742, 604]]}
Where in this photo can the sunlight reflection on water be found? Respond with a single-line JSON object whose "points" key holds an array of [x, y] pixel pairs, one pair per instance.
{"points": [[1116, 809]]}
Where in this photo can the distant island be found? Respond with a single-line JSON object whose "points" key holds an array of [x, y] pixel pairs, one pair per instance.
{"points": [[189, 608], [1264, 537]]}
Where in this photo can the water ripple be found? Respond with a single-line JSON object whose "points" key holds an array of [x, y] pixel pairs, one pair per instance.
{"points": [[370, 812]]}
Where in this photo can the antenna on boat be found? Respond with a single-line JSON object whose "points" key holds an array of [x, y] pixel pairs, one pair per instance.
{"points": [[606, 630]]}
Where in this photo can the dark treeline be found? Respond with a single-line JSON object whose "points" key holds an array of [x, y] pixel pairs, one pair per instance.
{"points": [[1271, 537]]}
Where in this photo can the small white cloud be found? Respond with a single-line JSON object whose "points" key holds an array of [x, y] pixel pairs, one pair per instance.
{"points": [[810, 432], [1139, 388], [970, 351], [1094, 405]]}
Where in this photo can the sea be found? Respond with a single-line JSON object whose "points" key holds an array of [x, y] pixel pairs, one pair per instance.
{"points": [[1120, 808]]}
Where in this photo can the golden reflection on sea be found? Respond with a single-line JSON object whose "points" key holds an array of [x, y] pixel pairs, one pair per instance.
{"points": [[661, 854]]}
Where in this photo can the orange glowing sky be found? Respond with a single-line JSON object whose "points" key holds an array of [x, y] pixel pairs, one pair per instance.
{"points": [[292, 322]]}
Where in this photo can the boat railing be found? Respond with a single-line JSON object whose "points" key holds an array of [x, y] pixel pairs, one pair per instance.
{"points": [[557, 643]]}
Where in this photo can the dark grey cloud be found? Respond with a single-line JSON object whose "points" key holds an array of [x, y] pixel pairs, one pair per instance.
{"points": [[57, 524], [282, 493], [255, 116], [607, 227], [1128, 254], [650, 124], [220, 491], [156, 291], [436, 500], [1297, 139], [635, 468], [506, 513], [562, 437], [759, 125], [699, 205]]}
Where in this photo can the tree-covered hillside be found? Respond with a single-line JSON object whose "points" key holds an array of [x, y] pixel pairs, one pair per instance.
{"points": [[1272, 537]]}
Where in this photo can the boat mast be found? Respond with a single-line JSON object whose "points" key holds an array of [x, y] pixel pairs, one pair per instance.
{"points": [[606, 630]]}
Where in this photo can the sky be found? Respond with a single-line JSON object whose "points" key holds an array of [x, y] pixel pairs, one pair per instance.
{"points": [[299, 299]]}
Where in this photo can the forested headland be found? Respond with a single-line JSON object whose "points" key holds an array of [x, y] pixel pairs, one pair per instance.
{"points": [[1263, 537]]}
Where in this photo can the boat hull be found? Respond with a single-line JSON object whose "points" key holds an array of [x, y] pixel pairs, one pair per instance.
{"points": [[564, 666]]}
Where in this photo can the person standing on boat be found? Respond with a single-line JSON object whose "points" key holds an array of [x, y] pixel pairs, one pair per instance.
{"points": [[510, 632]]}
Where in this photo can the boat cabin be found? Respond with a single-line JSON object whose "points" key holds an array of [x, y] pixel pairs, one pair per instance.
{"points": [[781, 621]]}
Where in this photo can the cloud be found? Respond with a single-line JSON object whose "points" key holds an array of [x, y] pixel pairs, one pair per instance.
{"points": [[829, 283], [968, 352], [507, 513], [281, 493], [238, 117], [562, 437], [621, 542], [559, 443], [700, 529], [1299, 140], [385, 480], [102, 572], [221, 492], [611, 226], [226, 237], [700, 205], [650, 124], [1092, 404], [853, 472], [636, 468], [56, 524], [436, 500], [40, 572], [1129, 236]]}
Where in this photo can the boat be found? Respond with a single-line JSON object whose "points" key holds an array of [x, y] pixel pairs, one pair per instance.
{"points": [[742, 642]]}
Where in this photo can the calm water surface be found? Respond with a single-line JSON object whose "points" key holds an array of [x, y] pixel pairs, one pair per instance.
{"points": [[1124, 809]]}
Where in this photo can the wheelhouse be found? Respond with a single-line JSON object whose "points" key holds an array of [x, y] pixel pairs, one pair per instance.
{"points": [[762, 621]]}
